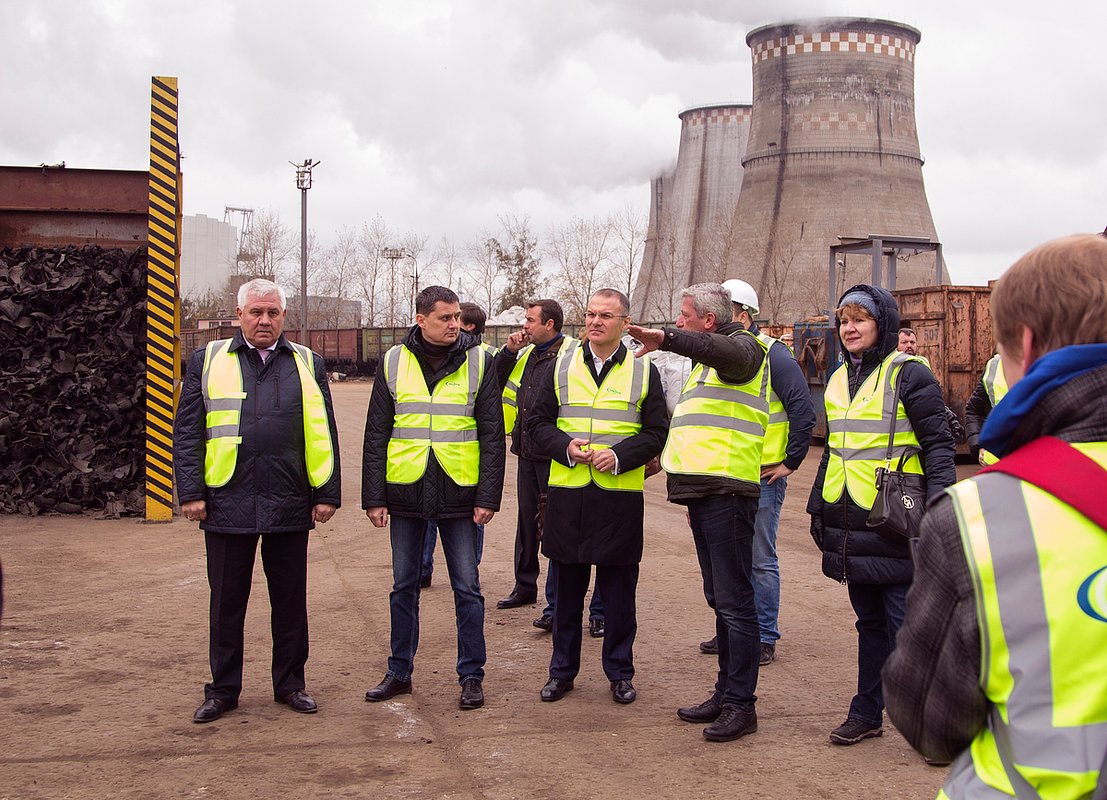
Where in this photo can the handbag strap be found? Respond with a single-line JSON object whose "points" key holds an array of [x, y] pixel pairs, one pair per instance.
{"points": [[893, 412], [1060, 469]]}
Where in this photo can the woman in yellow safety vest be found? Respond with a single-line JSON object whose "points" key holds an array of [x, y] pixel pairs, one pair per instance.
{"points": [[875, 566]]}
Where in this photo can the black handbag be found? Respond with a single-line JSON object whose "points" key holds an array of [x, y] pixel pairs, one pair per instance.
{"points": [[900, 501]]}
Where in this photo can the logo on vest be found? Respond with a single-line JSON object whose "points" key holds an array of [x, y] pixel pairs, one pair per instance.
{"points": [[610, 390], [908, 502], [1092, 595]]}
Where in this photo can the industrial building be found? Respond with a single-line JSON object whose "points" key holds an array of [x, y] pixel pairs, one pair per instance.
{"points": [[832, 154]]}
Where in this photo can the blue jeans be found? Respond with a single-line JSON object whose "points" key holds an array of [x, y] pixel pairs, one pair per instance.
{"points": [[432, 537], [880, 611], [722, 528], [459, 544], [766, 568], [595, 605]]}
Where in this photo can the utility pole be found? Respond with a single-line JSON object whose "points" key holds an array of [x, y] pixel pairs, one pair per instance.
{"points": [[303, 183]]}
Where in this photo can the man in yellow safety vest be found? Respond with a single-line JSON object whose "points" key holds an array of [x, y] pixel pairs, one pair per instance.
{"points": [[256, 457], [434, 449]]}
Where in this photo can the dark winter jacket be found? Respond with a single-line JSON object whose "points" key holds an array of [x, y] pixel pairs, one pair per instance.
{"points": [[593, 525], [737, 359], [976, 413], [435, 495], [269, 491], [537, 373], [851, 550], [932, 679]]}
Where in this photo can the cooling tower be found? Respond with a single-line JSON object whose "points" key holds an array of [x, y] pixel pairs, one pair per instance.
{"points": [[833, 151], [692, 209]]}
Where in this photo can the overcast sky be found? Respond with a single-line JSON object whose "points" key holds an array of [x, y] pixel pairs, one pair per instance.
{"points": [[441, 115]]}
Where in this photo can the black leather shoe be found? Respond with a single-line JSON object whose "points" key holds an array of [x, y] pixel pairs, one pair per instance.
{"points": [[711, 646], [555, 689], [389, 687], [545, 622], [623, 691], [595, 628], [516, 599], [472, 693], [707, 711], [768, 654], [299, 701], [213, 709], [732, 724]]}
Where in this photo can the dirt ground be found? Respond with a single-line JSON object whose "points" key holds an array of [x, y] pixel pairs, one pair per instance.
{"points": [[103, 655]]}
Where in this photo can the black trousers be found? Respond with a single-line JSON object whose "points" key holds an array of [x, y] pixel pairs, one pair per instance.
{"points": [[230, 570], [533, 479], [618, 585]]}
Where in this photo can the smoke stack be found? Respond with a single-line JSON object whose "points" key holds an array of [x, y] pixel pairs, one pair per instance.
{"points": [[833, 152], [692, 209]]}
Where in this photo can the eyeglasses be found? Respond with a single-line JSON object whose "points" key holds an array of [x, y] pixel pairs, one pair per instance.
{"points": [[604, 316]]}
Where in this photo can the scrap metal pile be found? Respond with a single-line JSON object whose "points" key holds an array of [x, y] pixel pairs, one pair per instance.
{"points": [[72, 428]]}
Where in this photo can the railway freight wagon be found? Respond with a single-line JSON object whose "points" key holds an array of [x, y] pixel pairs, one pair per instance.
{"points": [[354, 351]]}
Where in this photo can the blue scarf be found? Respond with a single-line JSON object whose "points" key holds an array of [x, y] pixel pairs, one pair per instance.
{"points": [[1051, 371]]}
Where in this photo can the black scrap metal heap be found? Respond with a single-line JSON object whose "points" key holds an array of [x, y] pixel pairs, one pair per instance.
{"points": [[72, 373]]}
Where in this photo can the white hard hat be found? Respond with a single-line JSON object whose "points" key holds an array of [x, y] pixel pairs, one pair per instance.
{"points": [[742, 294]]}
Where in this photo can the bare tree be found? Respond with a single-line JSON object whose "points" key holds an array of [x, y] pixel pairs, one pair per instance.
{"points": [[629, 226], [336, 275], [372, 269], [270, 249], [446, 266], [580, 252], [485, 270]]}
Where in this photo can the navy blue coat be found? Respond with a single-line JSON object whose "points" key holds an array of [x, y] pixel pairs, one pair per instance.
{"points": [[851, 550], [269, 491]]}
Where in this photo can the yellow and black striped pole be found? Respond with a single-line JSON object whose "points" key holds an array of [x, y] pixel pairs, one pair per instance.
{"points": [[162, 298]]}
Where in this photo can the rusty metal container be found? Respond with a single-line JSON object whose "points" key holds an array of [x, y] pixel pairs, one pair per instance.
{"points": [[954, 329], [58, 206]]}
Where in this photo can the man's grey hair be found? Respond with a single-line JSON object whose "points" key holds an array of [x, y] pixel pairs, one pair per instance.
{"points": [[710, 298], [260, 287]]}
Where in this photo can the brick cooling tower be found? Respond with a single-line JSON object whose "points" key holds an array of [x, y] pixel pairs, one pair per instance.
{"points": [[692, 209], [833, 151]]}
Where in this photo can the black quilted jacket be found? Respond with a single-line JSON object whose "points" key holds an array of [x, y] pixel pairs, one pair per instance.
{"points": [[269, 491], [435, 495]]}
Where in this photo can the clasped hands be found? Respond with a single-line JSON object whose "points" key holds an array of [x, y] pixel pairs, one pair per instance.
{"points": [[580, 453]]}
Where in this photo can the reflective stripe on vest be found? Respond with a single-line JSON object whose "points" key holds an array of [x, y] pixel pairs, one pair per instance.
{"points": [[511, 389], [221, 386], [718, 428], [1039, 572], [442, 420], [604, 415], [776, 434], [857, 432], [995, 386]]}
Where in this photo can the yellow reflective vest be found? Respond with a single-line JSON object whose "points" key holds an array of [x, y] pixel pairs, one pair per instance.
{"points": [[776, 434], [857, 432], [442, 420], [1039, 573], [511, 388], [221, 386], [718, 428], [995, 384], [604, 415]]}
